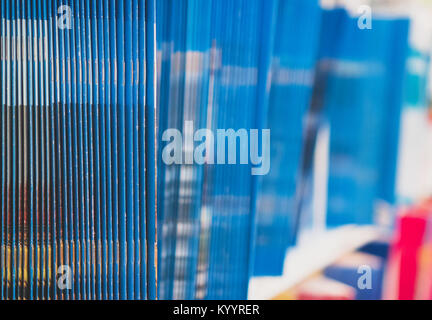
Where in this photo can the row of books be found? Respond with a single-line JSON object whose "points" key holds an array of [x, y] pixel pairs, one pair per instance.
{"points": [[94, 95], [240, 65], [293, 68], [356, 98], [214, 64], [77, 149]]}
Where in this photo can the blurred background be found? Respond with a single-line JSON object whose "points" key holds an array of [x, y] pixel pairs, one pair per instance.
{"points": [[345, 211]]}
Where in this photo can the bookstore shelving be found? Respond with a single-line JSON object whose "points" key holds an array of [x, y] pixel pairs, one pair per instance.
{"points": [[218, 149]]}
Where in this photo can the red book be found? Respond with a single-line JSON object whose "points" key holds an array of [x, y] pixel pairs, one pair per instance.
{"points": [[409, 273]]}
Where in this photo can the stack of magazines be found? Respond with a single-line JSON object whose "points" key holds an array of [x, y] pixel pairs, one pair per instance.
{"points": [[77, 149]]}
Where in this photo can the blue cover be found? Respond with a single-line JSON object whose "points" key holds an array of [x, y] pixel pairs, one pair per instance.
{"points": [[293, 66], [362, 104]]}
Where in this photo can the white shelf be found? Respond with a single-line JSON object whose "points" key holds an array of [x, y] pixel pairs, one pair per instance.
{"points": [[314, 252]]}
